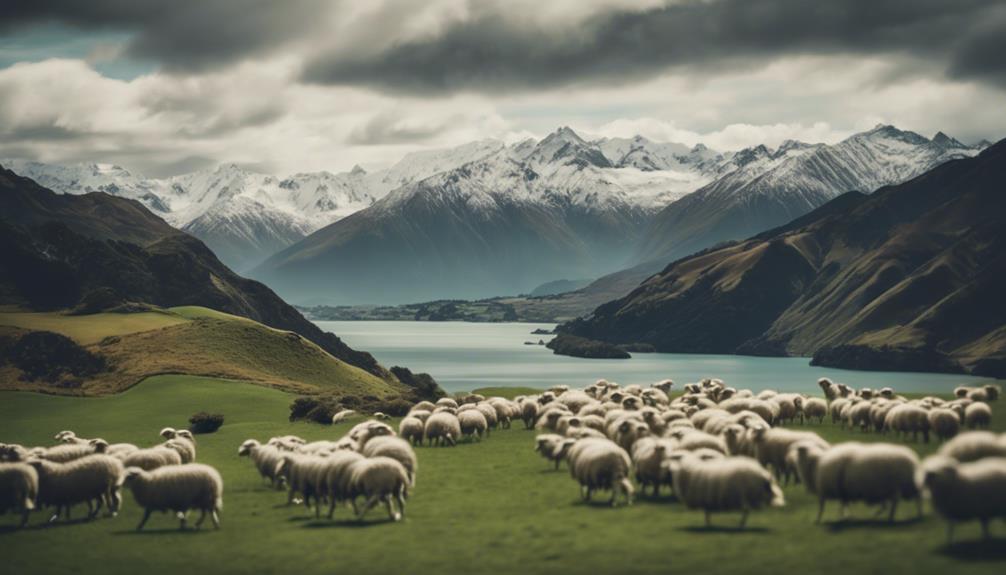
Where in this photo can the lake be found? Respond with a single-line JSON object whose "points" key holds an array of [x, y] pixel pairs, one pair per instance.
{"points": [[465, 356]]}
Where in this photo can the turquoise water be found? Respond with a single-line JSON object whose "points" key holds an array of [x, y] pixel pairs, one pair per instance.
{"points": [[464, 356]]}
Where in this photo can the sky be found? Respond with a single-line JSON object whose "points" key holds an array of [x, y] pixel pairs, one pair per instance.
{"points": [[287, 86]]}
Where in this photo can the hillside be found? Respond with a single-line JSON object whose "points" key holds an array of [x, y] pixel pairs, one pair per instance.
{"points": [[915, 271], [188, 340], [60, 250]]}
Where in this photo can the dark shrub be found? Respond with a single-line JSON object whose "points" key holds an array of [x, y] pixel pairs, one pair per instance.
{"points": [[203, 422], [396, 407], [52, 356]]}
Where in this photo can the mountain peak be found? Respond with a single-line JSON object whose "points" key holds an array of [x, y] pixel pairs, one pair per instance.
{"points": [[890, 132], [566, 134], [357, 171], [944, 141]]}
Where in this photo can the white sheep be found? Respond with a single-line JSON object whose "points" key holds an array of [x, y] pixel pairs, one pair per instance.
{"points": [[379, 479], [648, 456], [442, 429], [873, 473], [728, 484], [601, 464], [152, 458], [397, 449], [302, 475], [815, 408], [974, 445], [771, 446], [473, 423], [964, 491], [529, 413], [447, 402], [945, 423], [343, 415], [411, 429], [94, 479], [18, 489], [552, 447], [178, 488], [67, 436], [365, 431], [335, 477], [978, 415], [265, 457], [66, 452], [182, 441], [380, 416]]}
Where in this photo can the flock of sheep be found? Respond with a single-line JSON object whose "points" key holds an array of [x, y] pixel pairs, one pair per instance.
{"points": [[164, 477], [717, 448], [723, 449]]}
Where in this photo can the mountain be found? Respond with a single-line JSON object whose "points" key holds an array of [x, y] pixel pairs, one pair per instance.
{"points": [[508, 221], [769, 188], [908, 278], [62, 251]]}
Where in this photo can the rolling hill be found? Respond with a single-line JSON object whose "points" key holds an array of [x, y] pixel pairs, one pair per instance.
{"points": [[910, 277]]}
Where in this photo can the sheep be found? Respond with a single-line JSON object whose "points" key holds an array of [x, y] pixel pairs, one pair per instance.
{"points": [[152, 458], [286, 442], [302, 476], [489, 412], [420, 414], [334, 477], [265, 457], [873, 473], [771, 446], [663, 385], [944, 423], [907, 418], [411, 429], [729, 484], [318, 447], [815, 408], [66, 452], [94, 479], [473, 423], [117, 449], [447, 402], [977, 415], [601, 464], [424, 406], [178, 488], [363, 432], [379, 479], [182, 441], [70, 437], [690, 440], [397, 449], [551, 447], [828, 387], [974, 445], [529, 413], [963, 491], [18, 489], [343, 415], [442, 429], [648, 455], [627, 430], [505, 410], [380, 416]]}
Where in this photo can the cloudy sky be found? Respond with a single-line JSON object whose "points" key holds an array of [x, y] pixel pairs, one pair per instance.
{"points": [[164, 87]]}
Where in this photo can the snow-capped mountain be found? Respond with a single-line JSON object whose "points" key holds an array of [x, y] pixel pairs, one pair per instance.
{"points": [[768, 188]]}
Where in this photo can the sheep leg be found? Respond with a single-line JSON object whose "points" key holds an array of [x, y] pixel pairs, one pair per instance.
{"points": [[183, 518], [331, 507], [894, 507], [216, 519], [202, 517], [391, 511], [371, 502], [24, 516], [146, 515], [744, 518], [400, 496], [820, 510]]}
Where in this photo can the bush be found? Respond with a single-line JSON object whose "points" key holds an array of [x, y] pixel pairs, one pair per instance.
{"points": [[203, 422], [52, 357]]}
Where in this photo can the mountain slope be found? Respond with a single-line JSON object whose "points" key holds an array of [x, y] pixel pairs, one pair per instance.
{"points": [[771, 188], [915, 270], [60, 250]]}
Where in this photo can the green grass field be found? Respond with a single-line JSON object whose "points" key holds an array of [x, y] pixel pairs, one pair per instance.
{"points": [[490, 507], [88, 329]]}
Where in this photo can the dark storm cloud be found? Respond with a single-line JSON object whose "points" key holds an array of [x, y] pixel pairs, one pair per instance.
{"points": [[182, 35], [490, 51], [390, 129]]}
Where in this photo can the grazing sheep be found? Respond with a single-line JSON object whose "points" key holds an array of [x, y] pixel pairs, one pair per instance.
{"points": [[872, 473], [424, 406], [266, 459], [343, 415], [117, 449], [815, 408], [944, 423], [182, 441], [771, 446], [906, 418], [663, 385], [70, 437], [94, 479], [729, 484], [529, 414], [411, 429], [363, 432], [66, 452], [648, 456], [489, 412], [302, 475], [286, 442], [964, 491], [379, 479], [552, 447], [974, 445], [179, 488], [442, 429], [397, 449], [18, 489], [601, 464], [473, 424], [152, 458], [978, 415], [381, 416], [447, 402], [334, 478]]}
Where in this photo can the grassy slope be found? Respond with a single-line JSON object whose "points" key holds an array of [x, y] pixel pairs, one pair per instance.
{"points": [[481, 508], [199, 341], [88, 329]]}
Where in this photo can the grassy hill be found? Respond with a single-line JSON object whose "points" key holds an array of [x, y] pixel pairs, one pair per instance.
{"points": [[195, 341], [490, 507]]}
